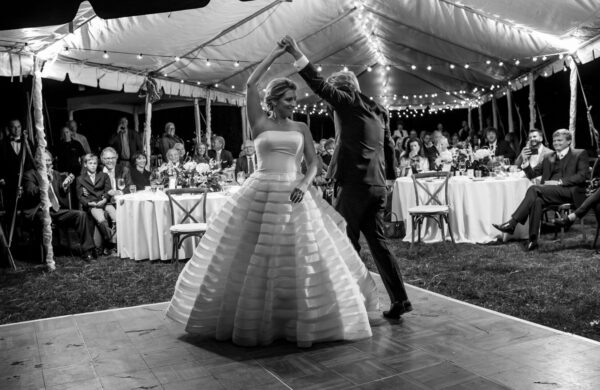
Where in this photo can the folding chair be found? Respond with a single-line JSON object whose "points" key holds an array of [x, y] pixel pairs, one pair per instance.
{"points": [[435, 205], [181, 229]]}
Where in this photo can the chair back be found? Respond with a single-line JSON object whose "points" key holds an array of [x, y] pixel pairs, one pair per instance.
{"points": [[436, 194], [189, 206]]}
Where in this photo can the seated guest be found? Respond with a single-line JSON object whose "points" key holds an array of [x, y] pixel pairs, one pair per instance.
{"points": [[563, 173], [413, 158], [454, 140], [69, 153], [173, 158], [180, 148], [444, 155], [429, 149], [498, 148], [200, 155], [93, 192], [115, 172], [247, 163], [535, 150], [140, 176], [399, 147], [413, 134], [464, 132], [329, 149], [399, 132], [168, 139], [60, 213], [223, 158]]}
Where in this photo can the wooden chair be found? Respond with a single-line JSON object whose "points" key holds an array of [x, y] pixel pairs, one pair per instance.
{"points": [[435, 205], [181, 229]]}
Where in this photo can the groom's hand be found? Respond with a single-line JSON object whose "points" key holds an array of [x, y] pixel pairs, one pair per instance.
{"points": [[291, 46]]}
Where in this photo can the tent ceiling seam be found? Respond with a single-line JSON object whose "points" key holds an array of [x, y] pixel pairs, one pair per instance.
{"points": [[389, 18], [64, 35], [226, 31], [323, 27], [475, 70]]}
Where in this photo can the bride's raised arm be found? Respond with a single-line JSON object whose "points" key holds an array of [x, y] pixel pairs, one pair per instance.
{"points": [[255, 112]]}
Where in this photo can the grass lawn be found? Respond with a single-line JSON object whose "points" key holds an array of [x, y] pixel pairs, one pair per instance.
{"points": [[557, 286]]}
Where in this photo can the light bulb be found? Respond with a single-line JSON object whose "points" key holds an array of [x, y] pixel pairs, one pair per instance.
{"points": [[105, 55], [140, 56], [236, 64]]}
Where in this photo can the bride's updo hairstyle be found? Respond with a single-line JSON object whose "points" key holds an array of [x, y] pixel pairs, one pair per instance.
{"points": [[276, 89]]}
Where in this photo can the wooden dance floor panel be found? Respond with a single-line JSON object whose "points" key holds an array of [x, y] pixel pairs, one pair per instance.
{"points": [[443, 344]]}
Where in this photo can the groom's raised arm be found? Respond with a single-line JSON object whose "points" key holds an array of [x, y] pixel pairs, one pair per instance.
{"points": [[332, 95]]}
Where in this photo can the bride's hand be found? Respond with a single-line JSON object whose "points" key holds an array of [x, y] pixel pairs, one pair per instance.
{"points": [[297, 195], [278, 50]]}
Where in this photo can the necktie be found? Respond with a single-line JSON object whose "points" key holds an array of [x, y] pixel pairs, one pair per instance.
{"points": [[54, 205], [250, 164]]}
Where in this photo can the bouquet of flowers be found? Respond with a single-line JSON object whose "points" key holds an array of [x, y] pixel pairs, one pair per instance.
{"points": [[190, 174], [482, 158]]}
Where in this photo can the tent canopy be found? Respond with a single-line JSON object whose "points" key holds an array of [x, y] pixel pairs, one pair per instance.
{"points": [[405, 52]]}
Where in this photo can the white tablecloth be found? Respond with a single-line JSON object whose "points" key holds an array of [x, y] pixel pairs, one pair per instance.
{"points": [[144, 218], [474, 206]]}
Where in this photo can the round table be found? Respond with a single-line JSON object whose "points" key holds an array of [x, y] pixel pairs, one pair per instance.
{"points": [[144, 218], [474, 205]]}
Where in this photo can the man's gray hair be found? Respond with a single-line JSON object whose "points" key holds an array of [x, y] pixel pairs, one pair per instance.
{"points": [[344, 79], [108, 149]]}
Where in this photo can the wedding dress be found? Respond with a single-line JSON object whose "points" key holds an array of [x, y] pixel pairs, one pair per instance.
{"points": [[270, 269]]}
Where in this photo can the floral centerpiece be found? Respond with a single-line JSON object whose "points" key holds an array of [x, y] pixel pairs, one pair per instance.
{"points": [[481, 159], [190, 174]]}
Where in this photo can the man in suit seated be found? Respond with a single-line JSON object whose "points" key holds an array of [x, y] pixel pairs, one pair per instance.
{"points": [[563, 173], [114, 171], [223, 158], [498, 147], [247, 161], [59, 206]]}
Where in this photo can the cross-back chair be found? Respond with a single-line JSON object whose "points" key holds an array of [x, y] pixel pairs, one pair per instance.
{"points": [[435, 205], [187, 225]]}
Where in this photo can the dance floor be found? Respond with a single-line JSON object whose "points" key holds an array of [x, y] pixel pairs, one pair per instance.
{"points": [[443, 344]]}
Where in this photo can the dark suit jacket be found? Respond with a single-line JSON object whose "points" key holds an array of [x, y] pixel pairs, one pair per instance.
{"points": [[241, 165], [135, 143], [226, 157], [96, 191], [574, 172], [31, 191], [503, 149], [10, 163], [364, 152]]}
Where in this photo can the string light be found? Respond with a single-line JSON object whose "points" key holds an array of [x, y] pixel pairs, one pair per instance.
{"points": [[319, 68], [216, 85], [413, 67], [207, 62], [517, 62], [140, 56], [176, 58], [466, 66], [500, 63], [452, 66], [237, 64], [369, 69], [429, 67], [488, 62], [345, 68], [105, 55]]}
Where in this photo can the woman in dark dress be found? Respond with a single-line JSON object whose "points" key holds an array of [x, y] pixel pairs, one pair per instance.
{"points": [[140, 176]]}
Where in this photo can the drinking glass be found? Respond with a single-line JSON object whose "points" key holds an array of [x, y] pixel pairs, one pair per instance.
{"points": [[418, 167], [121, 184], [506, 164]]}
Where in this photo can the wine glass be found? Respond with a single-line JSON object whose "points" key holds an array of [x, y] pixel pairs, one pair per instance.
{"points": [[506, 163], [241, 177], [121, 184], [418, 167]]}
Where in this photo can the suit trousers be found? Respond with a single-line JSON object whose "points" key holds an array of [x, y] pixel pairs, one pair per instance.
{"points": [[536, 198], [593, 201], [77, 219], [362, 206]]}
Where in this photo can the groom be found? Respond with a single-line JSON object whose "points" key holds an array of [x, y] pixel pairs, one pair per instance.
{"points": [[362, 160]]}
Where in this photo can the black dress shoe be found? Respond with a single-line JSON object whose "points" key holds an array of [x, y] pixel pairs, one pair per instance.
{"points": [[564, 223], [505, 228], [86, 256], [397, 309], [532, 245]]}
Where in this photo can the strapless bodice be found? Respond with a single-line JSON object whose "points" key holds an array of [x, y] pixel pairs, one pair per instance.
{"points": [[279, 151]]}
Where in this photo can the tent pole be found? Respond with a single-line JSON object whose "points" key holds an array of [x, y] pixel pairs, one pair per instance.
{"points": [[38, 116], [511, 125], [469, 119], [479, 111], [245, 133], [136, 119], [532, 113], [197, 122], [148, 131], [208, 120], [573, 105], [494, 112]]}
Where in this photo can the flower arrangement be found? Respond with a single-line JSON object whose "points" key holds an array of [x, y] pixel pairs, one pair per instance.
{"points": [[190, 174]]}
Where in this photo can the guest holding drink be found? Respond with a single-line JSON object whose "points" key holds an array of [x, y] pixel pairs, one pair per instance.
{"points": [[413, 158], [140, 176]]}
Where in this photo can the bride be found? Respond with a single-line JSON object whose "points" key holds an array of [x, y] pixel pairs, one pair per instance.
{"points": [[276, 263]]}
